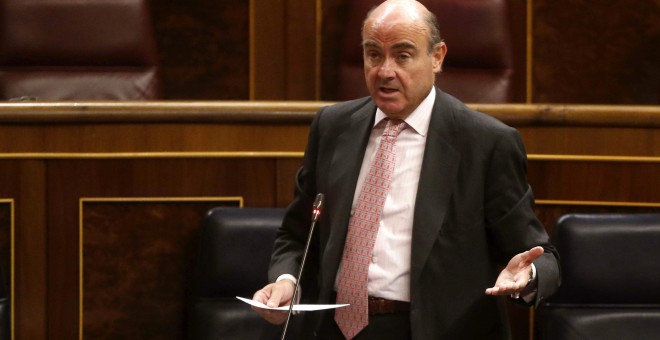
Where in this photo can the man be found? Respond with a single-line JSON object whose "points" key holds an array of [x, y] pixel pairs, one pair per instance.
{"points": [[455, 204]]}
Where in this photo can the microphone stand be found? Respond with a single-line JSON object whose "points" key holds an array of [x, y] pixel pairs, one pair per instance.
{"points": [[316, 212]]}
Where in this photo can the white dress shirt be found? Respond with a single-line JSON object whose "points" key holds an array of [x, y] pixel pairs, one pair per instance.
{"points": [[389, 270]]}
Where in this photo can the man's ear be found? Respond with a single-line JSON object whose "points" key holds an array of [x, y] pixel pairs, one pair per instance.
{"points": [[439, 52]]}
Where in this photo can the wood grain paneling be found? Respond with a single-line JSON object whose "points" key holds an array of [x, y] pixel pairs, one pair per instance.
{"points": [[303, 29], [70, 180], [287, 169], [54, 154], [6, 221], [333, 19], [268, 50], [153, 138], [603, 141], [283, 126], [7, 262], [23, 181], [203, 47], [591, 51], [283, 54], [605, 181], [137, 256], [582, 51]]}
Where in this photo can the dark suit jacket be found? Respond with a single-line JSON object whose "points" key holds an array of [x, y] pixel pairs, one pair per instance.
{"points": [[473, 212]]}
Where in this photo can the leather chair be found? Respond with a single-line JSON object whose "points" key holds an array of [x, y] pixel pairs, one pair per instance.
{"points": [[610, 278], [77, 50], [479, 66], [233, 256]]}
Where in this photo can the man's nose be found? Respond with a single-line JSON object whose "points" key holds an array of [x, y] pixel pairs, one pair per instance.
{"points": [[386, 69]]}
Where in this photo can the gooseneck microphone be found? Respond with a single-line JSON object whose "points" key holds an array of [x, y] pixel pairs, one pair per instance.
{"points": [[317, 207]]}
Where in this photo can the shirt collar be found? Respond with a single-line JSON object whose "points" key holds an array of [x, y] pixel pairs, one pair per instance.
{"points": [[420, 118]]}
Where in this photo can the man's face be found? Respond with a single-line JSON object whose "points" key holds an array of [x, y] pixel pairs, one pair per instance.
{"points": [[397, 65]]}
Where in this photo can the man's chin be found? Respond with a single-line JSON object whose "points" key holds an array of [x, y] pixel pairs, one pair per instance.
{"points": [[390, 108]]}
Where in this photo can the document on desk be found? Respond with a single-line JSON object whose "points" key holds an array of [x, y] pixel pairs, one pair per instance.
{"points": [[306, 308]]}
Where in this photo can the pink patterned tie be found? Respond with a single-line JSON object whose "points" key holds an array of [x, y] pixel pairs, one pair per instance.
{"points": [[362, 231]]}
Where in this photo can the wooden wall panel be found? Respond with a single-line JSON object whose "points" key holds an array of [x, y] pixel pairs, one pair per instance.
{"points": [[600, 180], [582, 51], [303, 70], [284, 50], [152, 138], [7, 260], [563, 186], [69, 180], [203, 47], [332, 33], [268, 50], [287, 169], [589, 140], [137, 256], [518, 320], [23, 181], [592, 51], [6, 216]]}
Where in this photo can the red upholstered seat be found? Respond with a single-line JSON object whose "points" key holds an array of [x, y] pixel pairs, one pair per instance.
{"points": [[77, 50], [479, 66]]}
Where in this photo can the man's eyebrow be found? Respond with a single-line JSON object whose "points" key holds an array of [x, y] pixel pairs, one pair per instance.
{"points": [[398, 46], [371, 44], [404, 46]]}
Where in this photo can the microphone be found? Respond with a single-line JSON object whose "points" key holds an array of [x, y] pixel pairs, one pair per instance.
{"points": [[317, 208]]}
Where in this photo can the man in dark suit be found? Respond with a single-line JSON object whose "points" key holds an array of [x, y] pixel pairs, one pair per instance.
{"points": [[456, 205]]}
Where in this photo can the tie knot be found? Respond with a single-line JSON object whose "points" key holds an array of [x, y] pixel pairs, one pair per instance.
{"points": [[393, 127]]}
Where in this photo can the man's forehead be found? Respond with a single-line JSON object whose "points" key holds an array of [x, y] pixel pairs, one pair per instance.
{"points": [[395, 33], [393, 11], [394, 22]]}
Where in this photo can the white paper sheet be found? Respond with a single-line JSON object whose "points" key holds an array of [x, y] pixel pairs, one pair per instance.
{"points": [[295, 307]]}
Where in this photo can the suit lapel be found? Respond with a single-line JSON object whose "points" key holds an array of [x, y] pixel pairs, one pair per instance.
{"points": [[438, 173], [344, 171]]}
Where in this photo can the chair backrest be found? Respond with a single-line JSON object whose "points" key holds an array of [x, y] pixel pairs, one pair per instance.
{"points": [[77, 50], [610, 278], [479, 66], [233, 257]]}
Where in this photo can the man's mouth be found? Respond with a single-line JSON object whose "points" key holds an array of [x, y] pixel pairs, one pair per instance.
{"points": [[387, 90]]}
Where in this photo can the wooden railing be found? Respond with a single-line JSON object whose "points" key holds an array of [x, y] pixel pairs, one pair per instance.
{"points": [[302, 111]]}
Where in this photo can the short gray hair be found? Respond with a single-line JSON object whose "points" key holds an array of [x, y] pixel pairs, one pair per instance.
{"points": [[434, 31]]}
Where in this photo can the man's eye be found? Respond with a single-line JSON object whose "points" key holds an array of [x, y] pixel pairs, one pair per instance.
{"points": [[403, 57], [373, 55]]}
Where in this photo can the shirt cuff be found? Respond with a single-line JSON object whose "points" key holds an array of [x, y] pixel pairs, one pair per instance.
{"points": [[288, 277], [531, 295]]}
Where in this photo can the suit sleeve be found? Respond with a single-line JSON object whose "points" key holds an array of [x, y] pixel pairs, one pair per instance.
{"points": [[512, 222], [292, 235]]}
